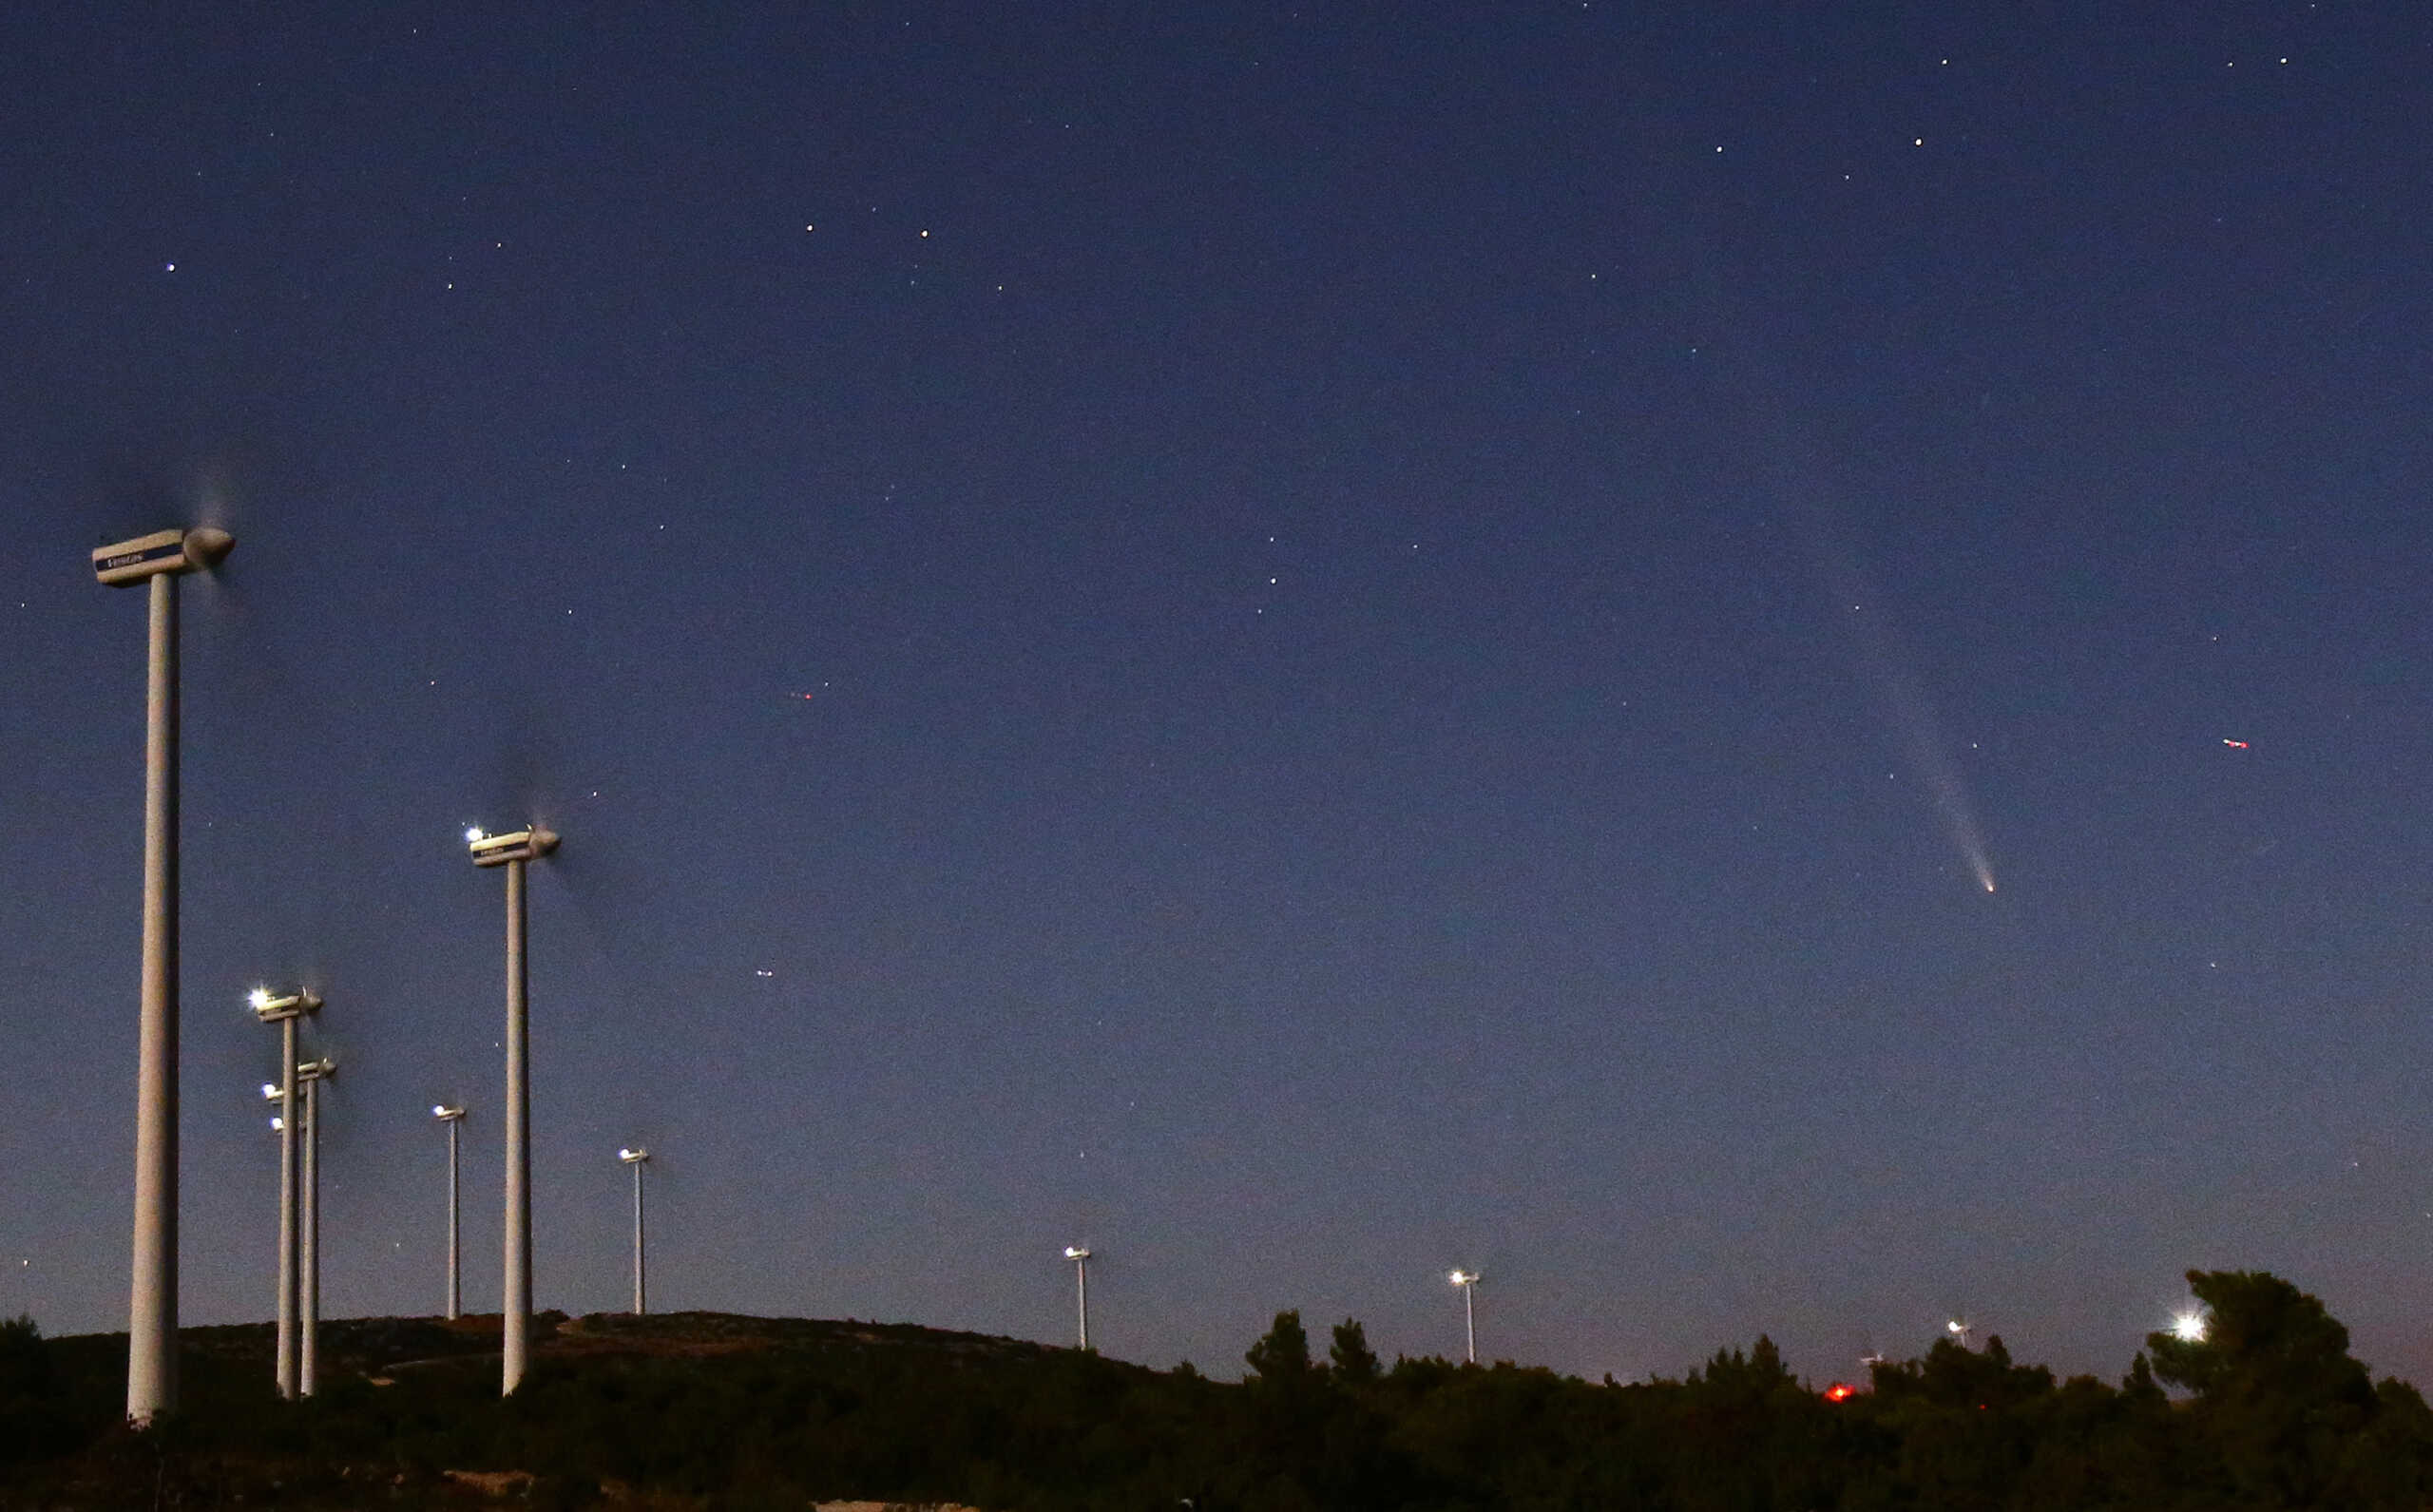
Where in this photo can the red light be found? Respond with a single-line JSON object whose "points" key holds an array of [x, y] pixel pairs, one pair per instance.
{"points": [[1840, 1391]]}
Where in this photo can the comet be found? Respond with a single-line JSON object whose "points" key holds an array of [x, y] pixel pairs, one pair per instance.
{"points": [[1913, 719], [1931, 754]]}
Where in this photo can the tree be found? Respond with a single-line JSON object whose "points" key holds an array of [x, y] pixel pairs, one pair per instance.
{"points": [[1287, 1413], [2282, 1405], [2139, 1385], [1283, 1352], [1355, 1363], [1756, 1374], [2263, 1338], [31, 1422]]}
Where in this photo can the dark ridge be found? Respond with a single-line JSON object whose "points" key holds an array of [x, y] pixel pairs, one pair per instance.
{"points": [[2262, 1409]]}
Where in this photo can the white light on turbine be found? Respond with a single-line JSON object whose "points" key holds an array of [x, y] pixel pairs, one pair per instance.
{"points": [[259, 998], [1079, 1256], [473, 835], [1466, 1282], [2189, 1327]]}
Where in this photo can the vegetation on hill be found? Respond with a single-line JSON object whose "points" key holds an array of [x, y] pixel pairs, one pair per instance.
{"points": [[705, 1409]]}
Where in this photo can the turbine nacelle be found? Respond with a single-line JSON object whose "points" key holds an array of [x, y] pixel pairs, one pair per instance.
{"points": [[270, 1010], [528, 844], [148, 556]]}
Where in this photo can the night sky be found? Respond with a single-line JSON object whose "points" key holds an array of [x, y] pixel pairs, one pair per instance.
{"points": [[1755, 667]]}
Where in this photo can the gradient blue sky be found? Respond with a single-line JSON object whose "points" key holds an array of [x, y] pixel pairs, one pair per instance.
{"points": [[1308, 643]]}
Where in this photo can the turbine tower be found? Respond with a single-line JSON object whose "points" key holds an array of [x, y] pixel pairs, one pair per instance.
{"points": [[162, 557], [1081, 1258], [515, 851], [312, 1073], [1467, 1281], [453, 1118], [285, 1012], [637, 1157]]}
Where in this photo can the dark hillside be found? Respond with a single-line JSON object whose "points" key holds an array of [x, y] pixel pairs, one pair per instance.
{"points": [[717, 1410], [691, 1404]]}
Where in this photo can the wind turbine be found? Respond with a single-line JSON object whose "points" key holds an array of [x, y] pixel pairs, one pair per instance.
{"points": [[162, 557], [285, 1012], [1468, 1282], [1079, 1256], [312, 1073], [454, 1119], [515, 851], [637, 1157]]}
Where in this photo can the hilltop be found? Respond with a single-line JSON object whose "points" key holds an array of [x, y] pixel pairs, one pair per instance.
{"points": [[647, 1410], [705, 1409], [381, 1348]]}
